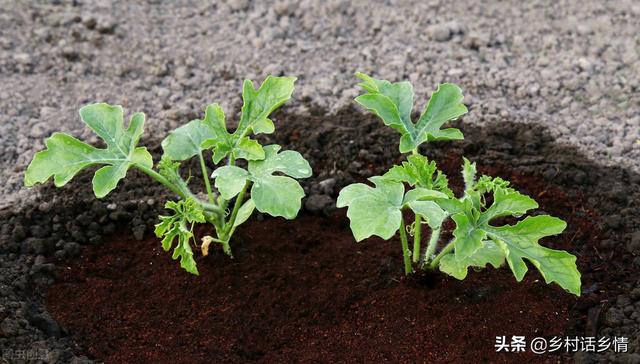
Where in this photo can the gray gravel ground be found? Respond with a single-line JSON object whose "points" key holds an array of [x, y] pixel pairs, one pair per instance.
{"points": [[572, 66]]}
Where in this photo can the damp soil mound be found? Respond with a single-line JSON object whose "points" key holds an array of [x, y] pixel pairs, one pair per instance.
{"points": [[304, 291], [85, 277], [297, 292]]}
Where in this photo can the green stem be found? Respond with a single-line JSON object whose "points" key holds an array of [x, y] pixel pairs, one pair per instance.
{"points": [[431, 246], [436, 261], [205, 176], [160, 178], [226, 248], [210, 207], [405, 249], [182, 192], [231, 161], [417, 232], [214, 219], [236, 207]]}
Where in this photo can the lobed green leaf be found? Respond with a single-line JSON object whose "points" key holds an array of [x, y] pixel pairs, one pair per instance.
{"points": [[225, 144], [176, 227], [288, 162], [507, 203], [278, 195], [475, 239], [186, 141], [229, 180], [258, 104], [423, 194], [419, 171], [467, 236], [489, 253], [65, 155], [393, 102], [445, 104], [431, 211], [520, 242], [273, 194], [373, 210]]}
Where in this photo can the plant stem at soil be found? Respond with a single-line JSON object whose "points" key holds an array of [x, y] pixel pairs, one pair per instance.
{"points": [[417, 232], [431, 246], [179, 191], [443, 252], [160, 178], [405, 249], [205, 176], [229, 229]]}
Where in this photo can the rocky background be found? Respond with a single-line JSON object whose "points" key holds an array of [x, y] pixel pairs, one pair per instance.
{"points": [[571, 67]]}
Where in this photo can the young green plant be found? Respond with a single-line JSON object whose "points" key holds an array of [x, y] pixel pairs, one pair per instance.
{"points": [[478, 239], [267, 183]]}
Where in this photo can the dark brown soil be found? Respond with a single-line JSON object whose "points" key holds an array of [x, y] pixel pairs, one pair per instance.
{"points": [[117, 307], [304, 291]]}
